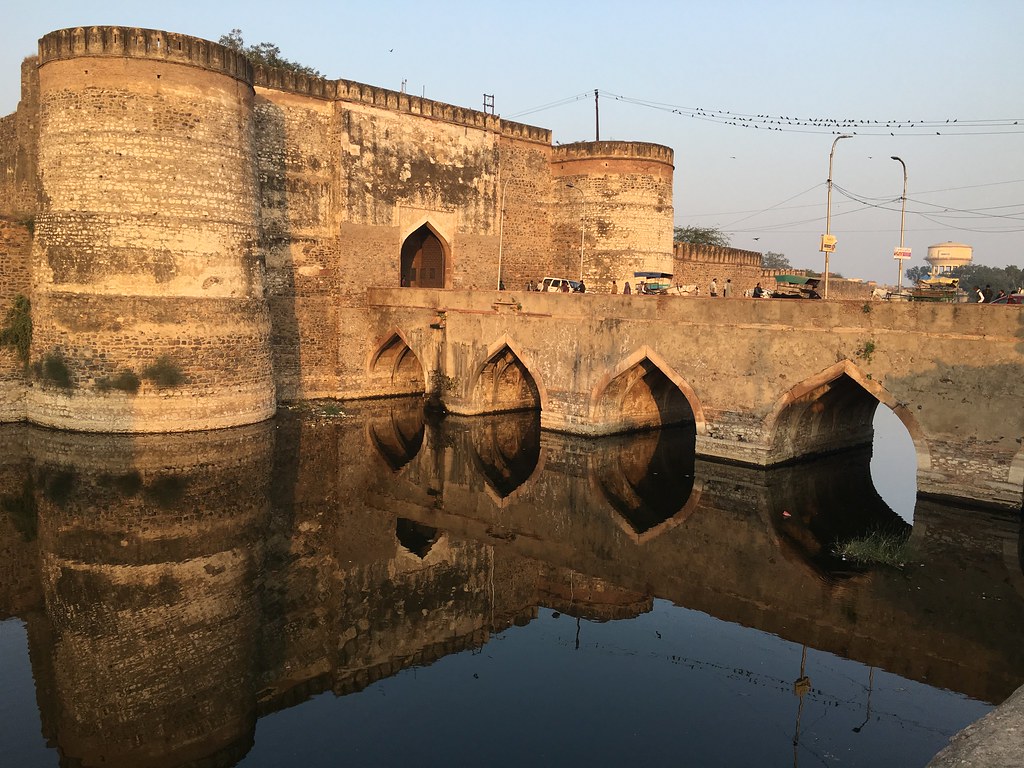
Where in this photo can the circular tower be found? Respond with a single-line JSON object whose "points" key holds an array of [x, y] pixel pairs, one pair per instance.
{"points": [[945, 257], [615, 197], [148, 289]]}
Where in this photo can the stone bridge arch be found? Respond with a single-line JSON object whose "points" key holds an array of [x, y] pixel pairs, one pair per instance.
{"points": [[643, 392], [505, 381], [834, 410], [394, 368]]}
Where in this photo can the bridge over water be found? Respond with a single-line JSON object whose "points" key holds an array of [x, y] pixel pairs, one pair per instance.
{"points": [[764, 382]]}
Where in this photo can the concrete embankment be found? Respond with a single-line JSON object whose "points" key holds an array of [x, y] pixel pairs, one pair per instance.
{"points": [[995, 741]]}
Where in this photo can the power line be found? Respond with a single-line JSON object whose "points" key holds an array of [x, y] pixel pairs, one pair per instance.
{"points": [[819, 125]]}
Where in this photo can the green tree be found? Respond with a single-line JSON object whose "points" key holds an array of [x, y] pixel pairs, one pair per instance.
{"points": [[1008, 279], [267, 54], [701, 236], [773, 260]]}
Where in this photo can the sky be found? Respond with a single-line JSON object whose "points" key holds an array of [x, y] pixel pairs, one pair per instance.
{"points": [[682, 74]]}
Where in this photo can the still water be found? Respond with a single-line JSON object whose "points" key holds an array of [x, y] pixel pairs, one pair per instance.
{"points": [[360, 585]]}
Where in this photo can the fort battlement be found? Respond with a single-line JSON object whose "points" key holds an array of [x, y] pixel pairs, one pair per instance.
{"points": [[281, 79], [613, 150], [132, 42], [714, 254]]}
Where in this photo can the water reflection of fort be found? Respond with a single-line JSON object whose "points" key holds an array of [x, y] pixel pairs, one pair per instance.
{"points": [[177, 587]]}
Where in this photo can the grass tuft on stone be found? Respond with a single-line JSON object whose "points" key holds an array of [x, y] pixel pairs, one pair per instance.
{"points": [[876, 547]]}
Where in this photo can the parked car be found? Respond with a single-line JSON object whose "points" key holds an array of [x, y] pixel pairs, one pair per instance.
{"points": [[554, 284]]}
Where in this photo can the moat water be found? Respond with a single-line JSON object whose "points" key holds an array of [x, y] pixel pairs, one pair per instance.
{"points": [[360, 585]]}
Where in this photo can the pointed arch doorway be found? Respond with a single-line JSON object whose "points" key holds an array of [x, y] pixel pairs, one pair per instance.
{"points": [[423, 260]]}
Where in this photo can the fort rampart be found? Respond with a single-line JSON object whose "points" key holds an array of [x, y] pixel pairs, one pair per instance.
{"points": [[205, 228]]}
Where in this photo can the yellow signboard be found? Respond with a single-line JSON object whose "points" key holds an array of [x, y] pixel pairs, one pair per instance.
{"points": [[828, 244]]}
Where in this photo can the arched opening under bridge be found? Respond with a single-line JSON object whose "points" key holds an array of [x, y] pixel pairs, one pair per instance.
{"points": [[505, 384], [642, 395], [396, 369], [838, 411]]}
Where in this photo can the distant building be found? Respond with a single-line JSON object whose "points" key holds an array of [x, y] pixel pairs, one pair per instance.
{"points": [[946, 257]]}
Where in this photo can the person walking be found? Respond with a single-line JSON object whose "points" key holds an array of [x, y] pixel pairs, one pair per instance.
{"points": [[713, 288], [615, 287], [727, 289]]}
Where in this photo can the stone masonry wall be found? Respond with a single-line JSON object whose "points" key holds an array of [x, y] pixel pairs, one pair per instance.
{"points": [[695, 264], [18, 148], [15, 244], [147, 249], [622, 197], [526, 249]]}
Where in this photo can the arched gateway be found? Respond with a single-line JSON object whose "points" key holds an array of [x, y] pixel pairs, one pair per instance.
{"points": [[423, 260]]}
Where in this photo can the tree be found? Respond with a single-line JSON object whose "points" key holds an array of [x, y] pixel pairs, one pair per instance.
{"points": [[701, 236], [267, 54], [1008, 279], [773, 260]]}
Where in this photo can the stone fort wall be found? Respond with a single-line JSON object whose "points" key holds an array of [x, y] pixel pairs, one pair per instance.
{"points": [[191, 209]]}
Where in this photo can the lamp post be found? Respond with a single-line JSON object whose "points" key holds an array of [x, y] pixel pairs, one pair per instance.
{"points": [[583, 222], [501, 227], [903, 217], [827, 242]]}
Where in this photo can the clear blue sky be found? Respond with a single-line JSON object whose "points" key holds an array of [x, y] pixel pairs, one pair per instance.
{"points": [[911, 61]]}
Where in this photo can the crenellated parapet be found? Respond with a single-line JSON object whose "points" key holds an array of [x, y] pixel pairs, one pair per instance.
{"points": [[280, 79], [133, 42], [613, 150], [715, 254]]}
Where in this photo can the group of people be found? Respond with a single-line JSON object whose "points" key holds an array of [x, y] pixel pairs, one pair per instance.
{"points": [[726, 289], [987, 295]]}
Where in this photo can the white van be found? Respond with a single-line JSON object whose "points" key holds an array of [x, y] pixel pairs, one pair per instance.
{"points": [[554, 284]]}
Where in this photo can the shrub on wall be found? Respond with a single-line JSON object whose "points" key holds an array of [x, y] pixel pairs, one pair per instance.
{"points": [[17, 330], [125, 381], [164, 373], [53, 369]]}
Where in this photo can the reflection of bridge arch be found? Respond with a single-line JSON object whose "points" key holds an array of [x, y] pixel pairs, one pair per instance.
{"points": [[504, 382], [647, 479], [396, 366], [397, 435], [506, 451], [643, 391], [832, 410]]}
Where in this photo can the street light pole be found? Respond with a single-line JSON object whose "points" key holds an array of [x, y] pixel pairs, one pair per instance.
{"points": [[903, 217], [828, 206], [583, 222]]}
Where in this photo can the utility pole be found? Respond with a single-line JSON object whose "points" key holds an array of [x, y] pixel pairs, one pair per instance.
{"points": [[597, 118]]}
